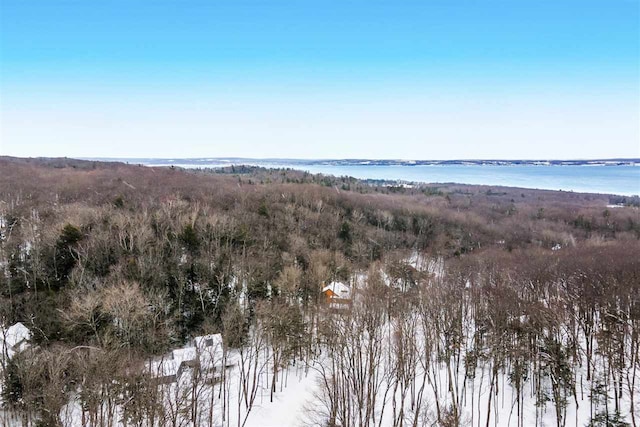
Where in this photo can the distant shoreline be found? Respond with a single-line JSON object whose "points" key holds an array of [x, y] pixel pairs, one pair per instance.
{"points": [[599, 176], [227, 161]]}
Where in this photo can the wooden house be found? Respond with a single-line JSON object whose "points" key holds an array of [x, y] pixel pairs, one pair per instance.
{"points": [[337, 295]]}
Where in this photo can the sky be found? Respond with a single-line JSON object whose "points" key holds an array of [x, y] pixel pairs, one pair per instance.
{"points": [[428, 79]]}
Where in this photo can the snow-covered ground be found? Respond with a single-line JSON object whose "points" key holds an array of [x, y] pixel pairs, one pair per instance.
{"points": [[416, 367], [296, 401], [301, 400]]}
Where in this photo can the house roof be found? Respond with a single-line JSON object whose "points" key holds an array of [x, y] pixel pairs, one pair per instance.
{"points": [[16, 334], [207, 350], [164, 366], [12, 337], [212, 340], [210, 350], [339, 289]]}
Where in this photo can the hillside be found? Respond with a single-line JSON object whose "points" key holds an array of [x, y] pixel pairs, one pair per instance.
{"points": [[109, 265]]}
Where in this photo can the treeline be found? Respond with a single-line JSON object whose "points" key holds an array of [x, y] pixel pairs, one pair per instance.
{"points": [[125, 262]]}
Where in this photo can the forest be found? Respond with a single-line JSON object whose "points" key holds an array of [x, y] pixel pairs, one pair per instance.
{"points": [[471, 305]]}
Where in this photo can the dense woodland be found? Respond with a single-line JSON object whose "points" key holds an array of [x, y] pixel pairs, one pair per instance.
{"points": [[110, 264]]}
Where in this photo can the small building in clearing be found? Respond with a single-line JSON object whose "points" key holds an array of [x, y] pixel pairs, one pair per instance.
{"points": [[204, 354], [337, 295]]}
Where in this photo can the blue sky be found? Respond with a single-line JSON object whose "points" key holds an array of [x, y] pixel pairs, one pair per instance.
{"points": [[320, 79]]}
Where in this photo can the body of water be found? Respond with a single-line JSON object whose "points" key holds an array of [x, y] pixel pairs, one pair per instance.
{"points": [[623, 180], [607, 179]]}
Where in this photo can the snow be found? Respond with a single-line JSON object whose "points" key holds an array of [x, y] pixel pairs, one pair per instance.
{"points": [[164, 366], [300, 398], [298, 402], [289, 408], [423, 263], [210, 351], [340, 290], [205, 351], [14, 339]]}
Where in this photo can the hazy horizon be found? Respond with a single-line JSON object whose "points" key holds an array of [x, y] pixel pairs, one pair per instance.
{"points": [[360, 158]]}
